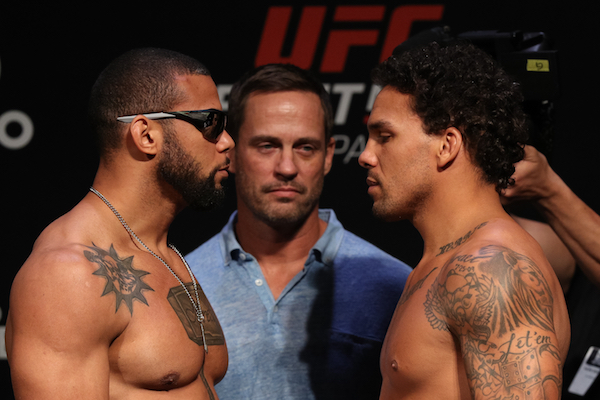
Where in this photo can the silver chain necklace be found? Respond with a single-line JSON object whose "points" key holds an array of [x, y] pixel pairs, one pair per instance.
{"points": [[196, 304]]}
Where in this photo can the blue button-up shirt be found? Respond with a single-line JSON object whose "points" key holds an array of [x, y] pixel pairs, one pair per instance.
{"points": [[322, 337]]}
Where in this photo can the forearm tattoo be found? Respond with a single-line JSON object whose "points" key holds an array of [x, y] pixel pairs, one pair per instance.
{"points": [[121, 278], [499, 305]]}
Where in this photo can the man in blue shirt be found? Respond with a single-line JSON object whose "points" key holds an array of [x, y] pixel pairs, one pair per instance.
{"points": [[303, 303]]}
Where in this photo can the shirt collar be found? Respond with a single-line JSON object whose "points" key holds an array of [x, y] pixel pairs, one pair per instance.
{"points": [[324, 250]]}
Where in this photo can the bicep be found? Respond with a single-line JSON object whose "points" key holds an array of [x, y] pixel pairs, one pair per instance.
{"points": [[41, 369], [57, 346], [499, 306], [523, 364]]}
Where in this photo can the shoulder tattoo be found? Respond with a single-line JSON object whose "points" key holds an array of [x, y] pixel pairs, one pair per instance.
{"points": [[498, 288], [122, 278], [499, 305]]}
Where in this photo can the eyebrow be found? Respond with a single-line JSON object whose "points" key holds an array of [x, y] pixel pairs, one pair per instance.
{"points": [[275, 139], [317, 143], [263, 138], [379, 125]]}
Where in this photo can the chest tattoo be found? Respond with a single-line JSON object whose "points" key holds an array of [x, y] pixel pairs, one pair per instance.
{"points": [[180, 302], [409, 290]]}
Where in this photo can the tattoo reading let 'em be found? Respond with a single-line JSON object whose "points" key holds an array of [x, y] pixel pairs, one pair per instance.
{"points": [[121, 278], [499, 305]]}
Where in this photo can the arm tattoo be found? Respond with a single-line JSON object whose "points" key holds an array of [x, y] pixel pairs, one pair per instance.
{"points": [[121, 278], [499, 305]]}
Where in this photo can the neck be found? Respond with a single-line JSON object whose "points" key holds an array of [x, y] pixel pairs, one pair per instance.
{"points": [[280, 244], [453, 217], [143, 207]]}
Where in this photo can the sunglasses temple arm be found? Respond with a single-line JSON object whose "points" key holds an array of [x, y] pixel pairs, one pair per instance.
{"points": [[157, 115]]}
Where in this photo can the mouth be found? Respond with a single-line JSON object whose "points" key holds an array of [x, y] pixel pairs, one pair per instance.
{"points": [[372, 185], [285, 190], [372, 182], [225, 166], [222, 171]]}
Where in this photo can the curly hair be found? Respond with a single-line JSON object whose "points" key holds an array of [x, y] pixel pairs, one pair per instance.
{"points": [[460, 85]]}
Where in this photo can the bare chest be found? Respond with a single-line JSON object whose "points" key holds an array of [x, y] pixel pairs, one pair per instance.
{"points": [[420, 355], [156, 341], [162, 345]]}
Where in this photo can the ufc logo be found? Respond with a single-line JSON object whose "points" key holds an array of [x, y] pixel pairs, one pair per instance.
{"points": [[339, 41]]}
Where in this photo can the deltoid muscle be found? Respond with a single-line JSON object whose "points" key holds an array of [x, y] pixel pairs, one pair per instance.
{"points": [[499, 305]]}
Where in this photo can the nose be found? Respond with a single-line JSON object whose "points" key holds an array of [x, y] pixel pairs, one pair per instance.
{"points": [[367, 158], [286, 165], [225, 142]]}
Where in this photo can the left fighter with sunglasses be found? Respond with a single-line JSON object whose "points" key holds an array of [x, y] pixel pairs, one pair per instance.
{"points": [[105, 307]]}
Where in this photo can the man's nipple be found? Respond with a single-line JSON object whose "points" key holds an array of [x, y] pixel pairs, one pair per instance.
{"points": [[395, 365], [170, 379]]}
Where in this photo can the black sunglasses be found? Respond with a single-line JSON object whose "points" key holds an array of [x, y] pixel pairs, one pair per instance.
{"points": [[210, 122]]}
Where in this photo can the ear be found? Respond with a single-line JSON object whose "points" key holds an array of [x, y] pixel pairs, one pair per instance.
{"points": [[145, 138], [329, 155], [450, 144]]}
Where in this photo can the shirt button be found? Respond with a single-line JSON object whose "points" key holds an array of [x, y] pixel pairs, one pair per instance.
{"points": [[242, 256], [258, 282]]}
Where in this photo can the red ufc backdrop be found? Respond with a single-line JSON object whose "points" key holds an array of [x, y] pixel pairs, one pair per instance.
{"points": [[50, 56]]}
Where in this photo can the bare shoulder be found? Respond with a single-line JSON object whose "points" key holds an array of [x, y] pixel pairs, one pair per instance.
{"points": [[507, 267], [60, 278], [505, 285], [508, 238], [58, 256], [504, 239], [61, 274], [59, 315]]}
